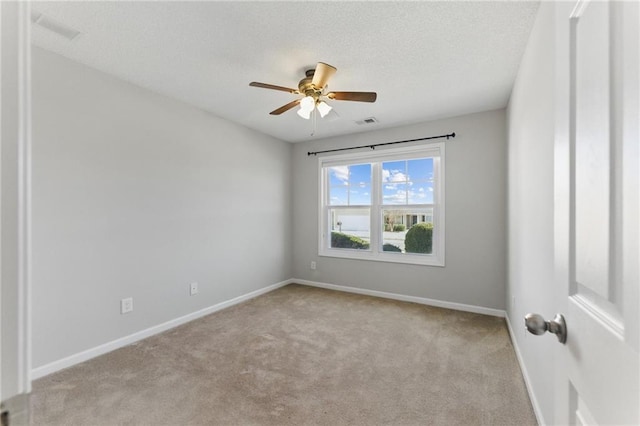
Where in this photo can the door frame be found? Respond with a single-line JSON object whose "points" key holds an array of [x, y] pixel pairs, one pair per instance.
{"points": [[15, 207]]}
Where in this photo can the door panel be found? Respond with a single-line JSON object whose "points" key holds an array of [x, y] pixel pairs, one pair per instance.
{"points": [[603, 370], [597, 192], [592, 166]]}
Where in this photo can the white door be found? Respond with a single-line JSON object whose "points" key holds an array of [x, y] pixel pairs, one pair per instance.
{"points": [[597, 188]]}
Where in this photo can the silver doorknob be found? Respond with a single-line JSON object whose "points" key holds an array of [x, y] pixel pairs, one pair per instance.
{"points": [[537, 325]]}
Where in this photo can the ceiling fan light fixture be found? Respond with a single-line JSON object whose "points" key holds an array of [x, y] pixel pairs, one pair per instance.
{"points": [[304, 113], [323, 108], [307, 104]]}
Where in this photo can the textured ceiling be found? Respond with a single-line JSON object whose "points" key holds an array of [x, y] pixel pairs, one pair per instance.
{"points": [[426, 60]]}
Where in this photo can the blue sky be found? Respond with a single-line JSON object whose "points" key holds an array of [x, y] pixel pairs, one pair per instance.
{"points": [[352, 183], [403, 182]]}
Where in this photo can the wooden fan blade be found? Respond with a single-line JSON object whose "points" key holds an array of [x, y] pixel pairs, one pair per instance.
{"points": [[271, 86], [322, 74], [284, 108], [353, 96]]}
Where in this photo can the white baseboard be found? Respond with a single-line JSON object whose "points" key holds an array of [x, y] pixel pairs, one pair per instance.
{"points": [[74, 359], [404, 298], [525, 375]]}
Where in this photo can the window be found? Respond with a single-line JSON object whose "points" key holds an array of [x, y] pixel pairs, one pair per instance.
{"points": [[384, 205]]}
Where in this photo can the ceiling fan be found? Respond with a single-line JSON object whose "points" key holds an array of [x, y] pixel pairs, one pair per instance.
{"points": [[314, 87]]}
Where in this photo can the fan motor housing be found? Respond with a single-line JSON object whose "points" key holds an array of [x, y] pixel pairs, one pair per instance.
{"points": [[306, 87]]}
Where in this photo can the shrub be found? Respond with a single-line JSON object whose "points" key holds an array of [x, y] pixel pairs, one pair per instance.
{"points": [[387, 227], [390, 247], [399, 227], [340, 240], [419, 238]]}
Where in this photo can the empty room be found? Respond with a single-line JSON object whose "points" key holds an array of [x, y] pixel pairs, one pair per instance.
{"points": [[320, 213]]}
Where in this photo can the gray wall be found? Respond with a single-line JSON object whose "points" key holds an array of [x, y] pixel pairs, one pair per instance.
{"points": [[137, 195], [531, 268], [475, 271]]}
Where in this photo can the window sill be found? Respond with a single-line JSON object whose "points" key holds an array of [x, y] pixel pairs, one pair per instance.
{"points": [[422, 260]]}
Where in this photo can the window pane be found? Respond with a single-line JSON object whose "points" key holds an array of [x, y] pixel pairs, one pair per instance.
{"points": [[407, 182], [394, 193], [420, 169], [338, 196], [350, 185], [360, 195], [398, 235], [421, 193], [394, 171], [360, 173], [350, 228], [338, 175]]}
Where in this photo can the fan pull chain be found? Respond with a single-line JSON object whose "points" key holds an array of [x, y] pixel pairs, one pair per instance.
{"points": [[314, 121]]}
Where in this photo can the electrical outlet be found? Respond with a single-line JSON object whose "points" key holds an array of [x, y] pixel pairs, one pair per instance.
{"points": [[126, 305], [193, 289], [313, 265]]}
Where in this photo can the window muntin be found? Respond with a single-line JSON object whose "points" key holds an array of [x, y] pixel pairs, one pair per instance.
{"points": [[372, 200]]}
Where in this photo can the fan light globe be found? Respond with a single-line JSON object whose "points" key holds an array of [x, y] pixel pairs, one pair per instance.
{"points": [[307, 103], [306, 114], [323, 109]]}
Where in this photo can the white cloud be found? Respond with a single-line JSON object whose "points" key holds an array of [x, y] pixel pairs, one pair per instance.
{"points": [[340, 172], [397, 176], [400, 197], [393, 176]]}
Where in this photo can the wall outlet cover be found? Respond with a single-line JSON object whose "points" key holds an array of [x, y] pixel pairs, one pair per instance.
{"points": [[193, 289], [126, 305]]}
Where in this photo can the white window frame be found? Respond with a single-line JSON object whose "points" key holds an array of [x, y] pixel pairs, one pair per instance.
{"points": [[375, 253]]}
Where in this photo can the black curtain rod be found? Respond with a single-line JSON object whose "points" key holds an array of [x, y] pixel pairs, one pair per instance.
{"points": [[450, 135]]}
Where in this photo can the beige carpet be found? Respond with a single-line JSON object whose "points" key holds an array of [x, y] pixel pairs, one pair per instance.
{"points": [[301, 356]]}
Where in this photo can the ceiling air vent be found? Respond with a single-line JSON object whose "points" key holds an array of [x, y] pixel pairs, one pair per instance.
{"points": [[54, 26], [370, 120]]}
